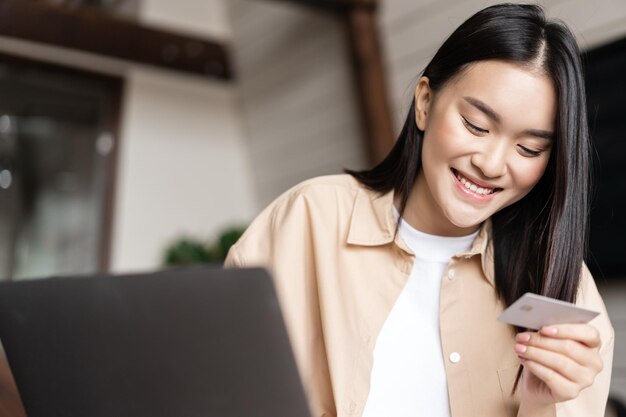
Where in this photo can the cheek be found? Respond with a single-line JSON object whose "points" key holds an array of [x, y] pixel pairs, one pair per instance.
{"points": [[527, 175], [443, 140]]}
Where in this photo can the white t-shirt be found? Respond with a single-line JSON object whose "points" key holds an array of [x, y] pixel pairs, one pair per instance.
{"points": [[408, 375]]}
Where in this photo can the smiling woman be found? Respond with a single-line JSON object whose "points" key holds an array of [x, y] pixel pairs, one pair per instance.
{"points": [[391, 279]]}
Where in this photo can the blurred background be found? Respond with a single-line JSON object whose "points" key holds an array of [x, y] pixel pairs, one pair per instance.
{"points": [[136, 134]]}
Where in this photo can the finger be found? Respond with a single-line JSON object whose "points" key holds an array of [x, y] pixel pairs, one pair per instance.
{"points": [[562, 388], [582, 354], [561, 364], [584, 333]]}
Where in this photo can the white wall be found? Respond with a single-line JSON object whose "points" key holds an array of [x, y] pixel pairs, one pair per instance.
{"points": [[298, 93], [199, 17], [183, 166]]}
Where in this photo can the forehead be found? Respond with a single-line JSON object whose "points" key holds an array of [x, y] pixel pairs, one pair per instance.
{"points": [[520, 95]]}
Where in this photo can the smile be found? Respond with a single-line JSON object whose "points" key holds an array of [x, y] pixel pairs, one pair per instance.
{"points": [[481, 191]]}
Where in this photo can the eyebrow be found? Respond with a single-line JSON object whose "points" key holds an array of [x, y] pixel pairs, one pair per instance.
{"points": [[491, 113]]}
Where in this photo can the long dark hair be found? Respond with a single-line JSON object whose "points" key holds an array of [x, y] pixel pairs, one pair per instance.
{"points": [[540, 241]]}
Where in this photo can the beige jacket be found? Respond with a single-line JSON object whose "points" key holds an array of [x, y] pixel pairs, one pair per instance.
{"points": [[329, 243]]}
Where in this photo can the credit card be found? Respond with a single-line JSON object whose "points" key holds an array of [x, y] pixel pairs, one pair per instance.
{"points": [[534, 311]]}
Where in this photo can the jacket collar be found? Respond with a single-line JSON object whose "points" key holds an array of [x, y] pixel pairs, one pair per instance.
{"points": [[373, 224]]}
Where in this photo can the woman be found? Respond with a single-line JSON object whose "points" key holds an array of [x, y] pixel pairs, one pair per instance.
{"points": [[391, 279]]}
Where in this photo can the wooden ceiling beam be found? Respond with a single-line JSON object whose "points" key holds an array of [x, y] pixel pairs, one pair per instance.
{"points": [[336, 6], [370, 77], [93, 31]]}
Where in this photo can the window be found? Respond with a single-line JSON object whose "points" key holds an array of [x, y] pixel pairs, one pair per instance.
{"points": [[57, 154]]}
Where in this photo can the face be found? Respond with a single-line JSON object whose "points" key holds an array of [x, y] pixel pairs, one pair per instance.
{"points": [[487, 142]]}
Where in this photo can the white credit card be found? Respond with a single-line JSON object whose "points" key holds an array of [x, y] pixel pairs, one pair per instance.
{"points": [[534, 311]]}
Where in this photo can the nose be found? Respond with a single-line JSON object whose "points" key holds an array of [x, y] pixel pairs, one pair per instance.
{"points": [[491, 159]]}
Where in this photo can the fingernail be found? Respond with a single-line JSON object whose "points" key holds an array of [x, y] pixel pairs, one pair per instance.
{"points": [[522, 337], [550, 330], [521, 358], [519, 348]]}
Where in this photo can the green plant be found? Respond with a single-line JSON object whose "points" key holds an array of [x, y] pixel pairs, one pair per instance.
{"points": [[190, 251], [186, 251]]}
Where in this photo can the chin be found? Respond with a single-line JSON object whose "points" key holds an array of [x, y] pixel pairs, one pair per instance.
{"points": [[466, 221]]}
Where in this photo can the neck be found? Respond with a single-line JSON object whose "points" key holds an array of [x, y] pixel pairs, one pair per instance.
{"points": [[424, 214]]}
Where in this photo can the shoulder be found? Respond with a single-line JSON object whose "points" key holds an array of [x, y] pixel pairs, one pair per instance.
{"points": [[322, 205], [589, 297], [329, 186], [317, 195]]}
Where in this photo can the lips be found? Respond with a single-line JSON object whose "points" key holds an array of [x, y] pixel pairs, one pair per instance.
{"points": [[475, 186]]}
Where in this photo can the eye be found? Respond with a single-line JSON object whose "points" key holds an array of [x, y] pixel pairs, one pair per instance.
{"points": [[473, 128], [529, 152]]}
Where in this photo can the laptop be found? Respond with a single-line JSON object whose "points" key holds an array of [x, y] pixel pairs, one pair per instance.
{"points": [[199, 342]]}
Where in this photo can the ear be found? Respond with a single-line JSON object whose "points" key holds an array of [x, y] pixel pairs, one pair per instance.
{"points": [[423, 98]]}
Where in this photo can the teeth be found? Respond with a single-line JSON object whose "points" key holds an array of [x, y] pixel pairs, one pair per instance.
{"points": [[473, 187]]}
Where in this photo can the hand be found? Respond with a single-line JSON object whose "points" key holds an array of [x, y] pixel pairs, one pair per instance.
{"points": [[559, 361]]}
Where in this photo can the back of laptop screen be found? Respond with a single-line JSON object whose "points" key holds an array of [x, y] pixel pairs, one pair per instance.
{"points": [[186, 343]]}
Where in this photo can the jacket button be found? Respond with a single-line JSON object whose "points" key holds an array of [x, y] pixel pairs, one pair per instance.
{"points": [[451, 274], [455, 357]]}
